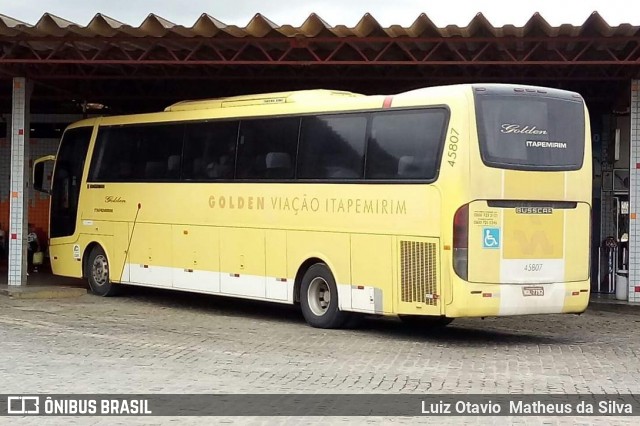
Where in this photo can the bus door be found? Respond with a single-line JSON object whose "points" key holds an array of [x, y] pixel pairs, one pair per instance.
{"points": [[67, 177], [65, 200]]}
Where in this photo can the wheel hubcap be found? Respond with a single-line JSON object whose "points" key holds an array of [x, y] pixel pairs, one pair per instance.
{"points": [[100, 270], [319, 296]]}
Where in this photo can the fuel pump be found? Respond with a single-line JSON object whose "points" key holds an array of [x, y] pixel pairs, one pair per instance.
{"points": [[622, 223], [610, 247], [622, 252]]}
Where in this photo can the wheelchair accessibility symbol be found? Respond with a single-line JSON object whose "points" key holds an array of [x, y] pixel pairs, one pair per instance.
{"points": [[491, 238]]}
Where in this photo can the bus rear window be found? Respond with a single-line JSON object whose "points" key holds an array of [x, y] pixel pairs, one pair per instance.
{"points": [[528, 131]]}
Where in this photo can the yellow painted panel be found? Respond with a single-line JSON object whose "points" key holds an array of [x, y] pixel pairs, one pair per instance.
{"points": [[470, 302], [484, 263], [276, 254], [576, 303], [118, 252], [150, 244], [196, 247], [183, 249], [536, 185], [63, 262], [371, 265], [278, 285], [242, 251], [331, 247], [93, 228], [533, 236]]}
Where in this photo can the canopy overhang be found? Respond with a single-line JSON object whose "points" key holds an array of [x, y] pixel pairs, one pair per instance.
{"points": [[146, 67]]}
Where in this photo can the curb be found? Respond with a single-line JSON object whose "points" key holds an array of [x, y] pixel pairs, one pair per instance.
{"points": [[41, 292]]}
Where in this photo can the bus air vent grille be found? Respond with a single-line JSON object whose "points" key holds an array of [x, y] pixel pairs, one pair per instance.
{"points": [[418, 272]]}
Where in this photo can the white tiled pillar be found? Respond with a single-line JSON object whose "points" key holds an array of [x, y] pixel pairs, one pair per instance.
{"points": [[18, 205], [634, 196]]}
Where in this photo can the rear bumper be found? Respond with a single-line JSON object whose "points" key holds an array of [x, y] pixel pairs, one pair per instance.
{"points": [[481, 300]]}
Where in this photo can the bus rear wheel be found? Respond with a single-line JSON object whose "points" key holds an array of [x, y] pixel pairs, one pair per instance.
{"points": [[98, 273], [319, 298]]}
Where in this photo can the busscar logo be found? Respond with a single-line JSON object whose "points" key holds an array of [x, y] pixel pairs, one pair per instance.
{"points": [[23, 405], [534, 210]]}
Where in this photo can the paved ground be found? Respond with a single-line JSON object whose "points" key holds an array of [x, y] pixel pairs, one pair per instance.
{"points": [[153, 341]]}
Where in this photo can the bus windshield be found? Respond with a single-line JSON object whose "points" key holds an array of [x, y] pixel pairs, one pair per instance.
{"points": [[530, 131]]}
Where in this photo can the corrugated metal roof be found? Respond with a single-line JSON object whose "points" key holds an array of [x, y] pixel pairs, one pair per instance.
{"points": [[259, 26], [160, 62]]}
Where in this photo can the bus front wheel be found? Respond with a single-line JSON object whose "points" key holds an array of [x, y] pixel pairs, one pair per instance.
{"points": [[98, 273], [319, 298]]}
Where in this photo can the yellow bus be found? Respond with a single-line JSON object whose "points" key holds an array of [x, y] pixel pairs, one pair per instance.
{"points": [[434, 204]]}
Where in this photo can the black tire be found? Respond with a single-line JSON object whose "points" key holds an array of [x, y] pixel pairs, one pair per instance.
{"points": [[419, 321], [98, 274], [317, 286]]}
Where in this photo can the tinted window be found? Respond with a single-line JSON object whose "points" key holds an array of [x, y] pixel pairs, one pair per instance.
{"points": [[138, 153], [67, 178], [405, 145], [267, 148], [530, 132], [332, 147], [210, 150]]}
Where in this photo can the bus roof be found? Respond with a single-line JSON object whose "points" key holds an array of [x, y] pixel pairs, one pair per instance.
{"points": [[292, 102], [309, 96]]}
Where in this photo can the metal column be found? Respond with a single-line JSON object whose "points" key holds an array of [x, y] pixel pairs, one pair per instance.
{"points": [[634, 199], [19, 196]]}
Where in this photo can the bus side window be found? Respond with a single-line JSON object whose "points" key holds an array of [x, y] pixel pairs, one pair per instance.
{"points": [[159, 148], [407, 167], [210, 150], [198, 169], [125, 170], [173, 167], [405, 144], [336, 166], [220, 168], [155, 170], [278, 165], [332, 147], [226, 166], [265, 145], [259, 165]]}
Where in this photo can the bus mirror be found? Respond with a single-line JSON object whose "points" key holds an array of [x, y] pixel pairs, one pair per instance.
{"points": [[40, 181]]}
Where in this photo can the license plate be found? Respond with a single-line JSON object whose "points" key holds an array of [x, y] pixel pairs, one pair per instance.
{"points": [[532, 291]]}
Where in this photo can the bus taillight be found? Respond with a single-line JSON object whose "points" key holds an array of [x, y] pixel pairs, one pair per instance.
{"points": [[461, 242]]}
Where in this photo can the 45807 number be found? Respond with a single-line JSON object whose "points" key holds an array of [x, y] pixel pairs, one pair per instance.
{"points": [[533, 267], [452, 148]]}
